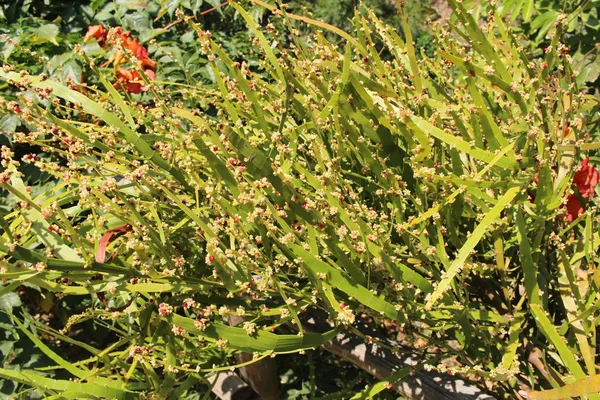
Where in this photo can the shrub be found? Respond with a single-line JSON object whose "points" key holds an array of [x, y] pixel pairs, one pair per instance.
{"points": [[427, 192], [537, 22]]}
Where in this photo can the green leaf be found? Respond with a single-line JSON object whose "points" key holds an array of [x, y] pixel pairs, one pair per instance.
{"points": [[9, 46], [150, 34], [39, 224], [529, 271], [261, 341], [528, 10], [47, 33], [139, 21], [339, 281], [110, 118], [10, 301], [382, 385], [320, 24], [72, 70], [9, 123], [79, 373], [10, 287], [578, 388], [216, 5], [543, 23], [566, 354], [465, 250], [92, 48], [96, 4], [169, 6], [44, 384], [478, 153]]}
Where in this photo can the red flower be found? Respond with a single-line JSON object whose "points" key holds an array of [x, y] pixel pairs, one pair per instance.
{"points": [[135, 46], [574, 208], [97, 32], [132, 44], [586, 178], [147, 63], [150, 74], [131, 79]]}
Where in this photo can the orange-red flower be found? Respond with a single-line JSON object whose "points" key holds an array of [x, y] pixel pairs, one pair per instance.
{"points": [[127, 79], [586, 178], [132, 81], [100, 33], [574, 208], [97, 32], [147, 63], [136, 48], [132, 44]]}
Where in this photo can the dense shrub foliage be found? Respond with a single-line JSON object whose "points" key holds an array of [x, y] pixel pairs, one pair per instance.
{"points": [[448, 195]]}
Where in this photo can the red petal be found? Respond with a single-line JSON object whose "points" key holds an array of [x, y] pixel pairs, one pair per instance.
{"points": [[150, 74], [97, 32], [574, 208], [109, 236], [147, 63], [586, 178]]}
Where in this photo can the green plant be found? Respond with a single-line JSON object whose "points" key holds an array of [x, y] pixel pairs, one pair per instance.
{"points": [[538, 21], [342, 12], [425, 191]]}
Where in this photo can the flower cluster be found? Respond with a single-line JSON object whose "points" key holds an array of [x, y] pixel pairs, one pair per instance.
{"points": [[250, 328], [586, 178], [346, 315], [129, 79], [165, 309]]}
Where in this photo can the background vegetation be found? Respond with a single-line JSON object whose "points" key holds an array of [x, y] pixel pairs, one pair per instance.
{"points": [[254, 161]]}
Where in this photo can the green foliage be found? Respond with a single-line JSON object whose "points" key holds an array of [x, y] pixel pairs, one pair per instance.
{"points": [[341, 14], [540, 17], [538, 22], [427, 191]]}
